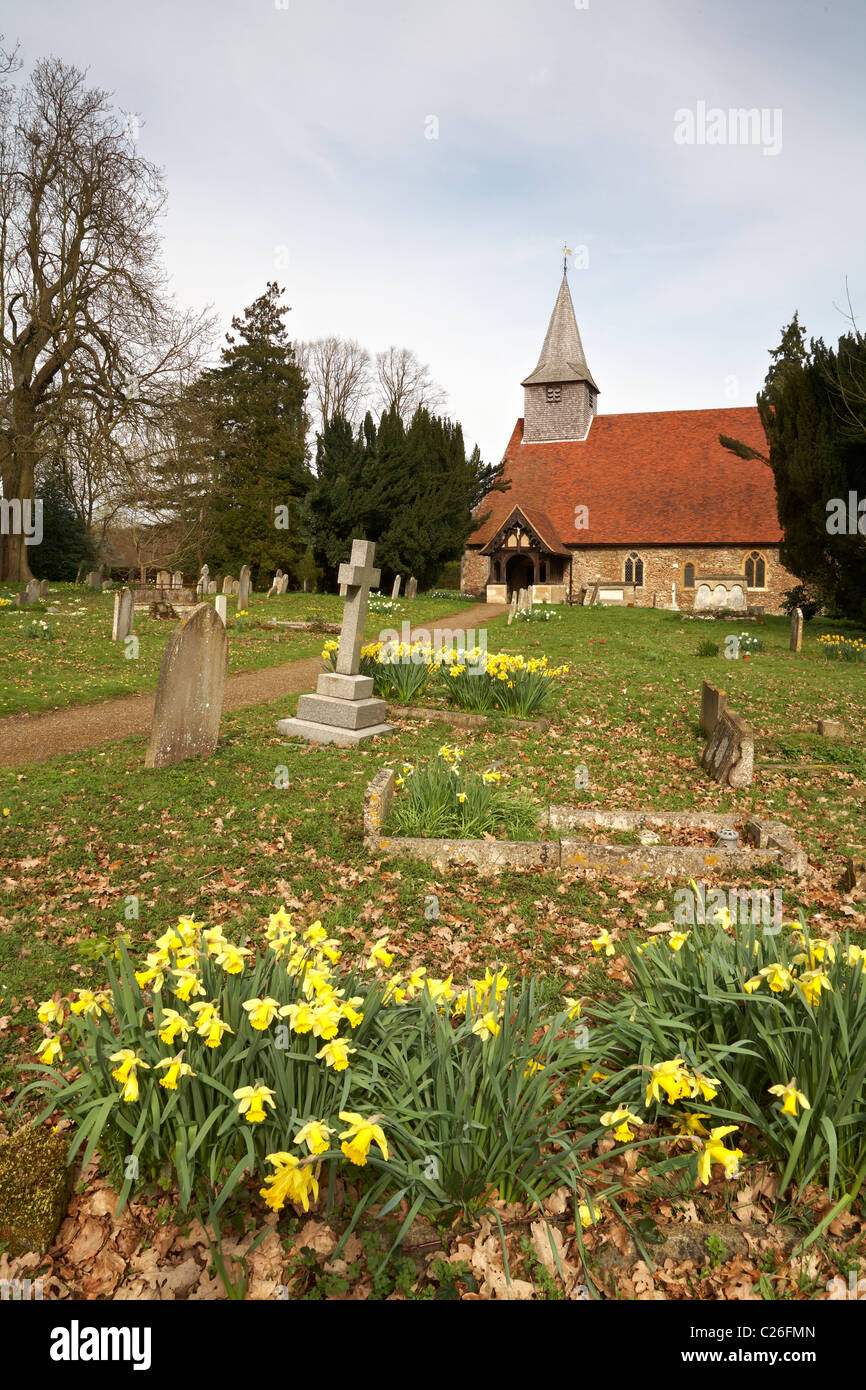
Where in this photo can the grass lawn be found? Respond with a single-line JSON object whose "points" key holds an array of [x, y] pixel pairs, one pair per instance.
{"points": [[93, 844], [80, 664]]}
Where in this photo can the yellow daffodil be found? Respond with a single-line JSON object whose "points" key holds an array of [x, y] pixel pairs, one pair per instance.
{"points": [[315, 1135], [86, 1002], [486, 1027], [379, 956], [293, 1181], [175, 1067], [336, 1054], [574, 1007], [792, 1097], [231, 958], [126, 1072], [188, 985], [349, 1011], [326, 1021], [670, 1077], [439, 989], [532, 1068], [677, 940], [704, 1086], [812, 982], [52, 1011], [602, 942], [252, 1101], [279, 924], [588, 1215], [261, 1012], [171, 1024], [214, 941], [301, 1017], [691, 1124], [622, 1119], [356, 1140], [51, 1051], [714, 1151], [778, 977], [755, 983]]}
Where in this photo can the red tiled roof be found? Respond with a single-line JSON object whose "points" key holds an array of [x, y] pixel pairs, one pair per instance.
{"points": [[653, 478]]}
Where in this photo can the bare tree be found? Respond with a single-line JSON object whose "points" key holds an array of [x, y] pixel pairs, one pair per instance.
{"points": [[404, 383], [338, 370], [85, 314]]}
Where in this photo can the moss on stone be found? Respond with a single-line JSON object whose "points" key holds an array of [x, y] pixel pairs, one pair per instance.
{"points": [[34, 1189]]}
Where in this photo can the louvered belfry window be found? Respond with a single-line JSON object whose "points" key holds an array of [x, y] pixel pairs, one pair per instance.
{"points": [[554, 394]]}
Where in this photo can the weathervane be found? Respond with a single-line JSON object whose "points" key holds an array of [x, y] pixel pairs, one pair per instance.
{"points": [[565, 253]]}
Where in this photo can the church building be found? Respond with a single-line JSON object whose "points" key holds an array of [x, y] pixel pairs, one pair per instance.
{"points": [[646, 509]]}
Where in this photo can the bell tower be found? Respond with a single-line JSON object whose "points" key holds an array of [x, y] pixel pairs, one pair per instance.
{"points": [[559, 395]]}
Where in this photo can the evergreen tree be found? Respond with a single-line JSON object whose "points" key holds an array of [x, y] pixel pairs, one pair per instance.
{"points": [[256, 397], [65, 538]]}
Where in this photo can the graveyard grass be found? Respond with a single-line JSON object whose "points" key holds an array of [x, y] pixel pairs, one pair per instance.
{"points": [[224, 840], [80, 664]]}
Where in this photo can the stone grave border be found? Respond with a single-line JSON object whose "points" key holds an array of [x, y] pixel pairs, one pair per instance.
{"points": [[464, 719], [768, 842]]}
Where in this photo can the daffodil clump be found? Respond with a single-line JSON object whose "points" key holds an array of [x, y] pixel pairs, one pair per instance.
{"points": [[470, 679], [445, 798], [219, 1060], [837, 648], [762, 1026]]}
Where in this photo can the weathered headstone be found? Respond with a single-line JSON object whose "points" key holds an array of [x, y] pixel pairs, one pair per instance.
{"points": [[412, 587], [342, 710], [189, 697], [43, 588], [163, 580], [244, 588], [713, 702], [221, 607], [227, 584], [674, 605], [124, 615], [796, 643], [177, 579], [512, 609], [594, 593], [236, 584], [94, 580], [729, 756], [107, 584], [274, 589], [284, 584], [831, 728], [395, 588], [211, 586], [306, 586], [20, 599], [32, 592]]}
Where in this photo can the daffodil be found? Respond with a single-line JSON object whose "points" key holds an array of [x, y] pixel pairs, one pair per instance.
{"points": [[690, 1124], [356, 1140], [252, 1101], [336, 1054], [350, 1012], [704, 1086], [171, 1024], [126, 1072], [261, 1011], [602, 942], [188, 985], [52, 1011], [588, 1214], [231, 958], [315, 1135], [812, 982], [326, 1021], [486, 1026], [677, 940], [532, 1068], [622, 1118], [755, 983], [379, 956], [574, 1007], [51, 1051], [301, 1017], [439, 989], [714, 1151], [175, 1067], [670, 1077], [792, 1097], [778, 977], [86, 1002], [293, 1181]]}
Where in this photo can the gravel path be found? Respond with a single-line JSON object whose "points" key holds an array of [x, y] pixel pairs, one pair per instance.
{"points": [[34, 738]]}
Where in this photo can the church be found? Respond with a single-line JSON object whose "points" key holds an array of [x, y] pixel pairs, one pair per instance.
{"points": [[645, 509]]}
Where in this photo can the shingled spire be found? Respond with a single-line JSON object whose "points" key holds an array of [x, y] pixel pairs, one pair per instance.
{"points": [[560, 394]]}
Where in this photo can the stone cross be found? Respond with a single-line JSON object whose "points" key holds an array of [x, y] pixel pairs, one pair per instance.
{"points": [[359, 577], [796, 643]]}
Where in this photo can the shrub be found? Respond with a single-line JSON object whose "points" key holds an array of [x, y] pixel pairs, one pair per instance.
{"points": [[708, 648], [445, 799], [775, 1024], [750, 643], [513, 684]]}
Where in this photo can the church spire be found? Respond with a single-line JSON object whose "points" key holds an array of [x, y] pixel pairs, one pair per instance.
{"points": [[562, 356], [560, 394]]}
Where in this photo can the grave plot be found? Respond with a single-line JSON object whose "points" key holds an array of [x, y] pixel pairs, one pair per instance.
{"points": [[738, 847]]}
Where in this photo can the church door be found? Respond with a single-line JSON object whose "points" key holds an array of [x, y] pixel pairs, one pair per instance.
{"points": [[519, 574]]}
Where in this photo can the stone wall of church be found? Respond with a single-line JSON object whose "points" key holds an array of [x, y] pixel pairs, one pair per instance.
{"points": [[663, 566], [567, 418]]}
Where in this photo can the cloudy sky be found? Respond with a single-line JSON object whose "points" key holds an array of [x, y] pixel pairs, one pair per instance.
{"points": [[295, 136]]}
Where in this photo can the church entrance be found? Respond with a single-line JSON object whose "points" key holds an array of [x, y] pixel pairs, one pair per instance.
{"points": [[519, 574]]}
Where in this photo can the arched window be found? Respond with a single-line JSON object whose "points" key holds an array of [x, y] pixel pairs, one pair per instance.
{"points": [[755, 571], [688, 576], [634, 570]]}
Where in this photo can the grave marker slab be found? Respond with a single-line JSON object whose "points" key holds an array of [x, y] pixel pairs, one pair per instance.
{"points": [[189, 697], [221, 607], [796, 643], [124, 615], [412, 587], [713, 702], [395, 588], [227, 584], [94, 580], [244, 588], [729, 756], [43, 589]]}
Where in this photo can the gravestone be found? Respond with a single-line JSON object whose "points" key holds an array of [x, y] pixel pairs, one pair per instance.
{"points": [[81, 573], [512, 609], [284, 584], [33, 592], [395, 590], [412, 587], [713, 702], [94, 580], [342, 710], [703, 599], [227, 584], [163, 580], [221, 607], [595, 592], [20, 599], [244, 588], [211, 586], [729, 756], [124, 615], [831, 728], [796, 643], [236, 584], [43, 589], [107, 584], [189, 697], [177, 579], [675, 608], [274, 589]]}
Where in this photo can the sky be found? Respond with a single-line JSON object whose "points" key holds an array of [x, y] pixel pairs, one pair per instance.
{"points": [[410, 172]]}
